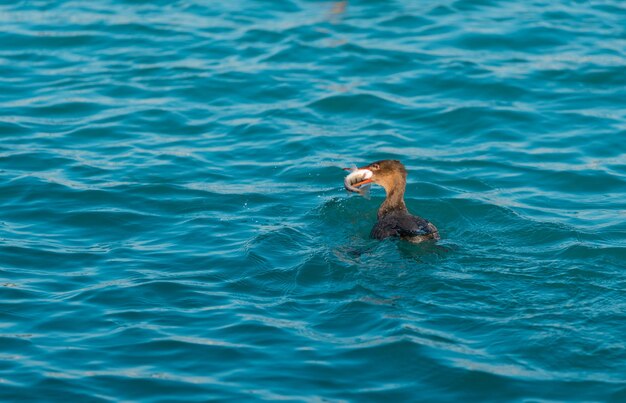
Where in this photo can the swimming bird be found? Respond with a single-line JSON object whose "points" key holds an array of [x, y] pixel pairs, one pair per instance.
{"points": [[394, 219]]}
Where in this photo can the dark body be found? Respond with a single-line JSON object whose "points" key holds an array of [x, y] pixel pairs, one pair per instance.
{"points": [[405, 226]]}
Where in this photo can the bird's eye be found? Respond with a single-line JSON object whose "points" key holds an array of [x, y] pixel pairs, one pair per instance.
{"points": [[375, 166]]}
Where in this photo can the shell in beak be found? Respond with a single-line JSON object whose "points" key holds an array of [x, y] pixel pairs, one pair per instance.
{"points": [[358, 177]]}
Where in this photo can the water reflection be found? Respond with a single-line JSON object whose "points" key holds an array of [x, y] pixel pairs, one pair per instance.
{"points": [[338, 10]]}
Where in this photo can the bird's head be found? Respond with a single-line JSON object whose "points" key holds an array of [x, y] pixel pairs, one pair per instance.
{"points": [[387, 173]]}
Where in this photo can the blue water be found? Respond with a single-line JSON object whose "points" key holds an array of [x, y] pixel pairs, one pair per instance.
{"points": [[173, 225]]}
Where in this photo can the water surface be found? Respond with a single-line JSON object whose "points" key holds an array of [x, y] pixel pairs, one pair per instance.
{"points": [[174, 226]]}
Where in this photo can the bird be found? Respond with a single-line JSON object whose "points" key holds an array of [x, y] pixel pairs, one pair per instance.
{"points": [[394, 219]]}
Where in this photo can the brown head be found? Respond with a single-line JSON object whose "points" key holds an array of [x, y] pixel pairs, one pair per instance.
{"points": [[390, 174]]}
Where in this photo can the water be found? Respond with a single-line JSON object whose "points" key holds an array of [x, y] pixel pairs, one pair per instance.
{"points": [[174, 226]]}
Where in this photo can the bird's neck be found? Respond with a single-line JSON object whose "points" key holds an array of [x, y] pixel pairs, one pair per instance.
{"points": [[395, 198]]}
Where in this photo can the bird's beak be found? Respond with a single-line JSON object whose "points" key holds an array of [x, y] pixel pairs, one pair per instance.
{"points": [[363, 182]]}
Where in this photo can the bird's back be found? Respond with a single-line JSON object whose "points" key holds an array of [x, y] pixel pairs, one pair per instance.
{"points": [[404, 225]]}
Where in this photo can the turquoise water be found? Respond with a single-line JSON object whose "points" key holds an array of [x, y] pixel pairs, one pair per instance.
{"points": [[174, 227]]}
